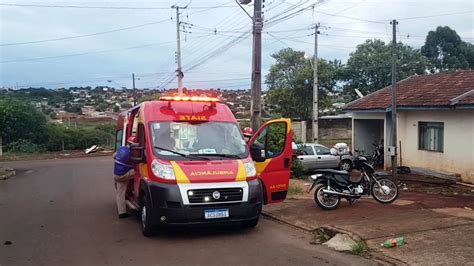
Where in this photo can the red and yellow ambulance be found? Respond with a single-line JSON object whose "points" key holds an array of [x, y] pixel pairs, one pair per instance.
{"points": [[192, 165]]}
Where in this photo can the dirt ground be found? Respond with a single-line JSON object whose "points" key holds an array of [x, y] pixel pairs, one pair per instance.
{"points": [[437, 221]]}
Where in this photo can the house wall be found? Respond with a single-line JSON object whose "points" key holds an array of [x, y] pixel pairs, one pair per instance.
{"points": [[458, 155]]}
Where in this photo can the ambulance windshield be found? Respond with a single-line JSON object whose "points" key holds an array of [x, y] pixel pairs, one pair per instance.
{"points": [[213, 140]]}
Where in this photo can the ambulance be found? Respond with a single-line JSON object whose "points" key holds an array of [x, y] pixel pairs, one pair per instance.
{"points": [[193, 166]]}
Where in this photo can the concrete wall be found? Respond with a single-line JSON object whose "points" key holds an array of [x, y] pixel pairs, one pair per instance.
{"points": [[458, 154], [335, 128], [300, 130]]}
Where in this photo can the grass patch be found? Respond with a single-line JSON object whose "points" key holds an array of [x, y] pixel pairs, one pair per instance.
{"points": [[360, 248], [322, 235], [295, 190]]}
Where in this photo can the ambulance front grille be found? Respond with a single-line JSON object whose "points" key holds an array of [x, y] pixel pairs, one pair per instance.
{"points": [[203, 196]]}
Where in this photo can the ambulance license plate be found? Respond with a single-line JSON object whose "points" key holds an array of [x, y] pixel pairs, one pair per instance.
{"points": [[216, 214]]}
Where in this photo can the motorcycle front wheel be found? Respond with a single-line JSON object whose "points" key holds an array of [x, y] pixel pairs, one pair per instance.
{"points": [[326, 202], [385, 191]]}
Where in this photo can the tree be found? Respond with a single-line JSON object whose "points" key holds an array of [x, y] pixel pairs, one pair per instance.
{"points": [[126, 105], [290, 83], [153, 97], [446, 51], [102, 107], [21, 121], [73, 108], [369, 68], [116, 108]]}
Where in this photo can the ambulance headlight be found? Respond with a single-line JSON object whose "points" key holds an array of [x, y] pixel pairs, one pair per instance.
{"points": [[250, 170], [162, 170]]}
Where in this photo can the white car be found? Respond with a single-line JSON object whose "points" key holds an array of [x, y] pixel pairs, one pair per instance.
{"points": [[317, 156]]}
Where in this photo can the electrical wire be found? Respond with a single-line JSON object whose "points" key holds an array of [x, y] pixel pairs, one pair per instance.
{"points": [[86, 35], [438, 15], [348, 17], [89, 53], [108, 7], [342, 11]]}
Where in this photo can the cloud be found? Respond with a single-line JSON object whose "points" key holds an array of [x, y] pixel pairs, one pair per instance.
{"points": [[352, 23]]}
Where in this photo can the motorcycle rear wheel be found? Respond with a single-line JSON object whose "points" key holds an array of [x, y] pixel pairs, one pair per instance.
{"points": [[387, 194], [326, 202]]}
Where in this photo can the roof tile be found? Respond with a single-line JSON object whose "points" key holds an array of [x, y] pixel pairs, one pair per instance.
{"points": [[426, 90]]}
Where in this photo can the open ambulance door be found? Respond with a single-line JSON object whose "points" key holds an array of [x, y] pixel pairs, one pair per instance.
{"points": [[271, 150]]}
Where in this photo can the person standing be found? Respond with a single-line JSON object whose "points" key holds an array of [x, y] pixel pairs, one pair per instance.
{"points": [[123, 173], [248, 133]]}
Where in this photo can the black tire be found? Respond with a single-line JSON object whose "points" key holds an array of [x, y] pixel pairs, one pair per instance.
{"points": [[146, 217], [392, 186], [322, 205], [250, 223], [346, 164]]}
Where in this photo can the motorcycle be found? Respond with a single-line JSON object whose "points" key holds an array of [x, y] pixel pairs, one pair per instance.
{"points": [[376, 159], [332, 185]]}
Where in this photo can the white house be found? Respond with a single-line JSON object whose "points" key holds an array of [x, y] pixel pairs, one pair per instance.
{"points": [[435, 122]]}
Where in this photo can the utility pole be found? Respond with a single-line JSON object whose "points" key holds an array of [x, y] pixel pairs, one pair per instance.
{"points": [[134, 90], [255, 105], [393, 144], [179, 71], [315, 125]]}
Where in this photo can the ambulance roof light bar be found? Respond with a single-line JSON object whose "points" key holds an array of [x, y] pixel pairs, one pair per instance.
{"points": [[190, 99]]}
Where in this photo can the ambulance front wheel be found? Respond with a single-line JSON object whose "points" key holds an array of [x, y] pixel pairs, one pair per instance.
{"points": [[145, 217]]}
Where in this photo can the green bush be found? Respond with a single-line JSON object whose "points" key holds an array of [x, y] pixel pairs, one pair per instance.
{"points": [[21, 121], [297, 170], [107, 128], [76, 138], [24, 146]]}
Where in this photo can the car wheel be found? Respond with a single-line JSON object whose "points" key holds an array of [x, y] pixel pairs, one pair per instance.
{"points": [[145, 218]]}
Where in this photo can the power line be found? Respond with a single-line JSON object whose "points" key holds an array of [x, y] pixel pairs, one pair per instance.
{"points": [[285, 11], [89, 53], [274, 20], [348, 17], [439, 15], [110, 7], [224, 24], [85, 35], [219, 50]]}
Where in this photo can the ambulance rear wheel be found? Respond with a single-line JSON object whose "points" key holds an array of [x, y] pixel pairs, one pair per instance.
{"points": [[145, 218], [250, 223]]}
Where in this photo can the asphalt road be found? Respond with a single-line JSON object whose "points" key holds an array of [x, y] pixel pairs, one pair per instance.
{"points": [[62, 212]]}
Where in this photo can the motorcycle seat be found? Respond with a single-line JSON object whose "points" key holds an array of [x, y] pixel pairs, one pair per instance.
{"points": [[332, 171]]}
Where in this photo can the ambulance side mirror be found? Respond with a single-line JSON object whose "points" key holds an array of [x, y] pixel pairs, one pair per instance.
{"points": [[257, 153], [136, 153]]}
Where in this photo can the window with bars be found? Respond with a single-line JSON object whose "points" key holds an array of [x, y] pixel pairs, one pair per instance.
{"points": [[431, 136]]}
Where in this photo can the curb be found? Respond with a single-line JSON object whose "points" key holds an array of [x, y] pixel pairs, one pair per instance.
{"points": [[378, 256], [9, 173]]}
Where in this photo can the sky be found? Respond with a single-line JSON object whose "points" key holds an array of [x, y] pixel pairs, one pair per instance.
{"points": [[46, 47]]}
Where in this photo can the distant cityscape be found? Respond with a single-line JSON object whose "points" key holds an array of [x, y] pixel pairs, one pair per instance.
{"points": [[104, 103]]}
